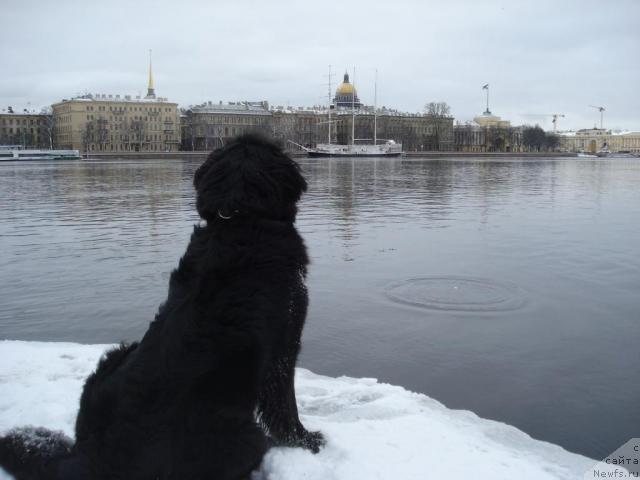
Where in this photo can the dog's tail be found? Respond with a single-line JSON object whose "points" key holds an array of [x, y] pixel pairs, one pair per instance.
{"points": [[31, 453]]}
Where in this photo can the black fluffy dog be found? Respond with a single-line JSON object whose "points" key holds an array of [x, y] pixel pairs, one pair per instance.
{"points": [[212, 379]]}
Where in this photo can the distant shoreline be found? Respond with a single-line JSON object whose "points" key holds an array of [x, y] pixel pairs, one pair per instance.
{"points": [[203, 154]]}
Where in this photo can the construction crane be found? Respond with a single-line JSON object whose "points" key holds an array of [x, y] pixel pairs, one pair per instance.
{"points": [[601, 109], [554, 116], [555, 120]]}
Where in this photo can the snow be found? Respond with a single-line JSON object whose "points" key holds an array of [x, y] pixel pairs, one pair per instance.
{"points": [[374, 430]]}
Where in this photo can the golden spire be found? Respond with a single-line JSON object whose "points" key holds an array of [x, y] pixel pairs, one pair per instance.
{"points": [[150, 90]]}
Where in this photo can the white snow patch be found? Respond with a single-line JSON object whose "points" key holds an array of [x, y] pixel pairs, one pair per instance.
{"points": [[373, 430]]}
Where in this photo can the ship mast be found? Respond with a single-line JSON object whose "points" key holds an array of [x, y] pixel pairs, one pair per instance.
{"points": [[353, 109], [375, 110], [329, 123]]}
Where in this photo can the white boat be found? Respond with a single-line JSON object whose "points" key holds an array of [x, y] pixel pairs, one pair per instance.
{"points": [[9, 155], [616, 155], [389, 148]]}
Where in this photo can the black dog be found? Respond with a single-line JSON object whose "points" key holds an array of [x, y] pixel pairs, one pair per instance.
{"points": [[182, 403]]}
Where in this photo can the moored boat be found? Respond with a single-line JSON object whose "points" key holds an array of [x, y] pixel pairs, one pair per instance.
{"points": [[387, 149], [9, 155], [346, 96]]}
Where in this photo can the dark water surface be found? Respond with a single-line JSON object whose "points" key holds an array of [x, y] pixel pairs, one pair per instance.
{"points": [[509, 288]]}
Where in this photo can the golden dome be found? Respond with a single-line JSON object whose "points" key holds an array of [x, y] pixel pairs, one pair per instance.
{"points": [[346, 95], [345, 88]]}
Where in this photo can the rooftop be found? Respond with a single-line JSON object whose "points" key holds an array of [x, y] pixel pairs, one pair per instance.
{"points": [[25, 113], [595, 131], [102, 97], [364, 110], [241, 108]]}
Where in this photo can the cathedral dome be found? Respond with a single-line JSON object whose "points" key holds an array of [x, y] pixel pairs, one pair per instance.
{"points": [[346, 95], [345, 88]]}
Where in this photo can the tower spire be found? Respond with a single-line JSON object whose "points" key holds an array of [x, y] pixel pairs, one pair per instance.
{"points": [[151, 93]]}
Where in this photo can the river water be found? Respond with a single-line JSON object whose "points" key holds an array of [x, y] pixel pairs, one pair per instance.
{"points": [[506, 287]]}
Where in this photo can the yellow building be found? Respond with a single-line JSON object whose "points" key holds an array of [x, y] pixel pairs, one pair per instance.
{"points": [[488, 133], [593, 140], [487, 119], [114, 123], [29, 130]]}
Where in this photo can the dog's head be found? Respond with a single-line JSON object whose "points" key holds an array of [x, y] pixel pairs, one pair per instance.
{"points": [[251, 176]]}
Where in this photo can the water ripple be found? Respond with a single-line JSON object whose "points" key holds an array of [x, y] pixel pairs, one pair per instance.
{"points": [[457, 293]]}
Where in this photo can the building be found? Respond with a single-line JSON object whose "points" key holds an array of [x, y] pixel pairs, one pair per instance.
{"points": [[594, 140], [114, 123], [346, 95], [212, 125], [309, 126], [488, 133], [416, 132], [26, 129]]}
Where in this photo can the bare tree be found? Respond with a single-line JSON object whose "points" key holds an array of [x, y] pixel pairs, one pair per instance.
{"points": [[533, 138], [137, 132], [49, 126], [87, 135], [101, 133], [437, 109], [188, 137], [439, 126], [552, 142], [209, 135]]}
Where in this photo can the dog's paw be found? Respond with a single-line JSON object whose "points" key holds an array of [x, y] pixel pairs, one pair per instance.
{"points": [[312, 441]]}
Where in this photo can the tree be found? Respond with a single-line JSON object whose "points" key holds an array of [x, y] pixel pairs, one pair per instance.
{"points": [[436, 112], [188, 133], [49, 126], [533, 138], [101, 133], [137, 132], [552, 141], [437, 109], [87, 135]]}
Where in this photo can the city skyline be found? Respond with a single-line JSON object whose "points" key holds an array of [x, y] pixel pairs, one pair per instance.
{"points": [[539, 58]]}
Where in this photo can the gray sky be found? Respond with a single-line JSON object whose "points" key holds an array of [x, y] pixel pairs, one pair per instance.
{"points": [[540, 57]]}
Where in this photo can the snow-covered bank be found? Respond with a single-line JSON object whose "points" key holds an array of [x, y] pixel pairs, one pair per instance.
{"points": [[374, 430]]}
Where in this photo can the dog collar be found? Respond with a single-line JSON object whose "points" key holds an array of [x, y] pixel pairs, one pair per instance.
{"points": [[225, 217]]}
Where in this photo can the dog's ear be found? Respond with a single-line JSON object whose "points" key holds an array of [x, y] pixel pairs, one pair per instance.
{"points": [[250, 176]]}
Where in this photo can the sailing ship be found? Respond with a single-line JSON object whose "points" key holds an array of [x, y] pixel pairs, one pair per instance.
{"points": [[346, 93], [387, 149]]}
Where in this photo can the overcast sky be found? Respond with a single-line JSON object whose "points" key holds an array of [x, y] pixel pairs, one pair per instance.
{"points": [[539, 57]]}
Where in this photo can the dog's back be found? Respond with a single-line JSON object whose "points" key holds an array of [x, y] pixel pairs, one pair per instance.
{"points": [[182, 402], [192, 384]]}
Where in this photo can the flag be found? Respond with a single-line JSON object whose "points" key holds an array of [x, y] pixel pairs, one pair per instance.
{"points": [[485, 87]]}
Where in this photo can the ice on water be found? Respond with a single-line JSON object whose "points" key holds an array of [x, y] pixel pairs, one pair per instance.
{"points": [[373, 430]]}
